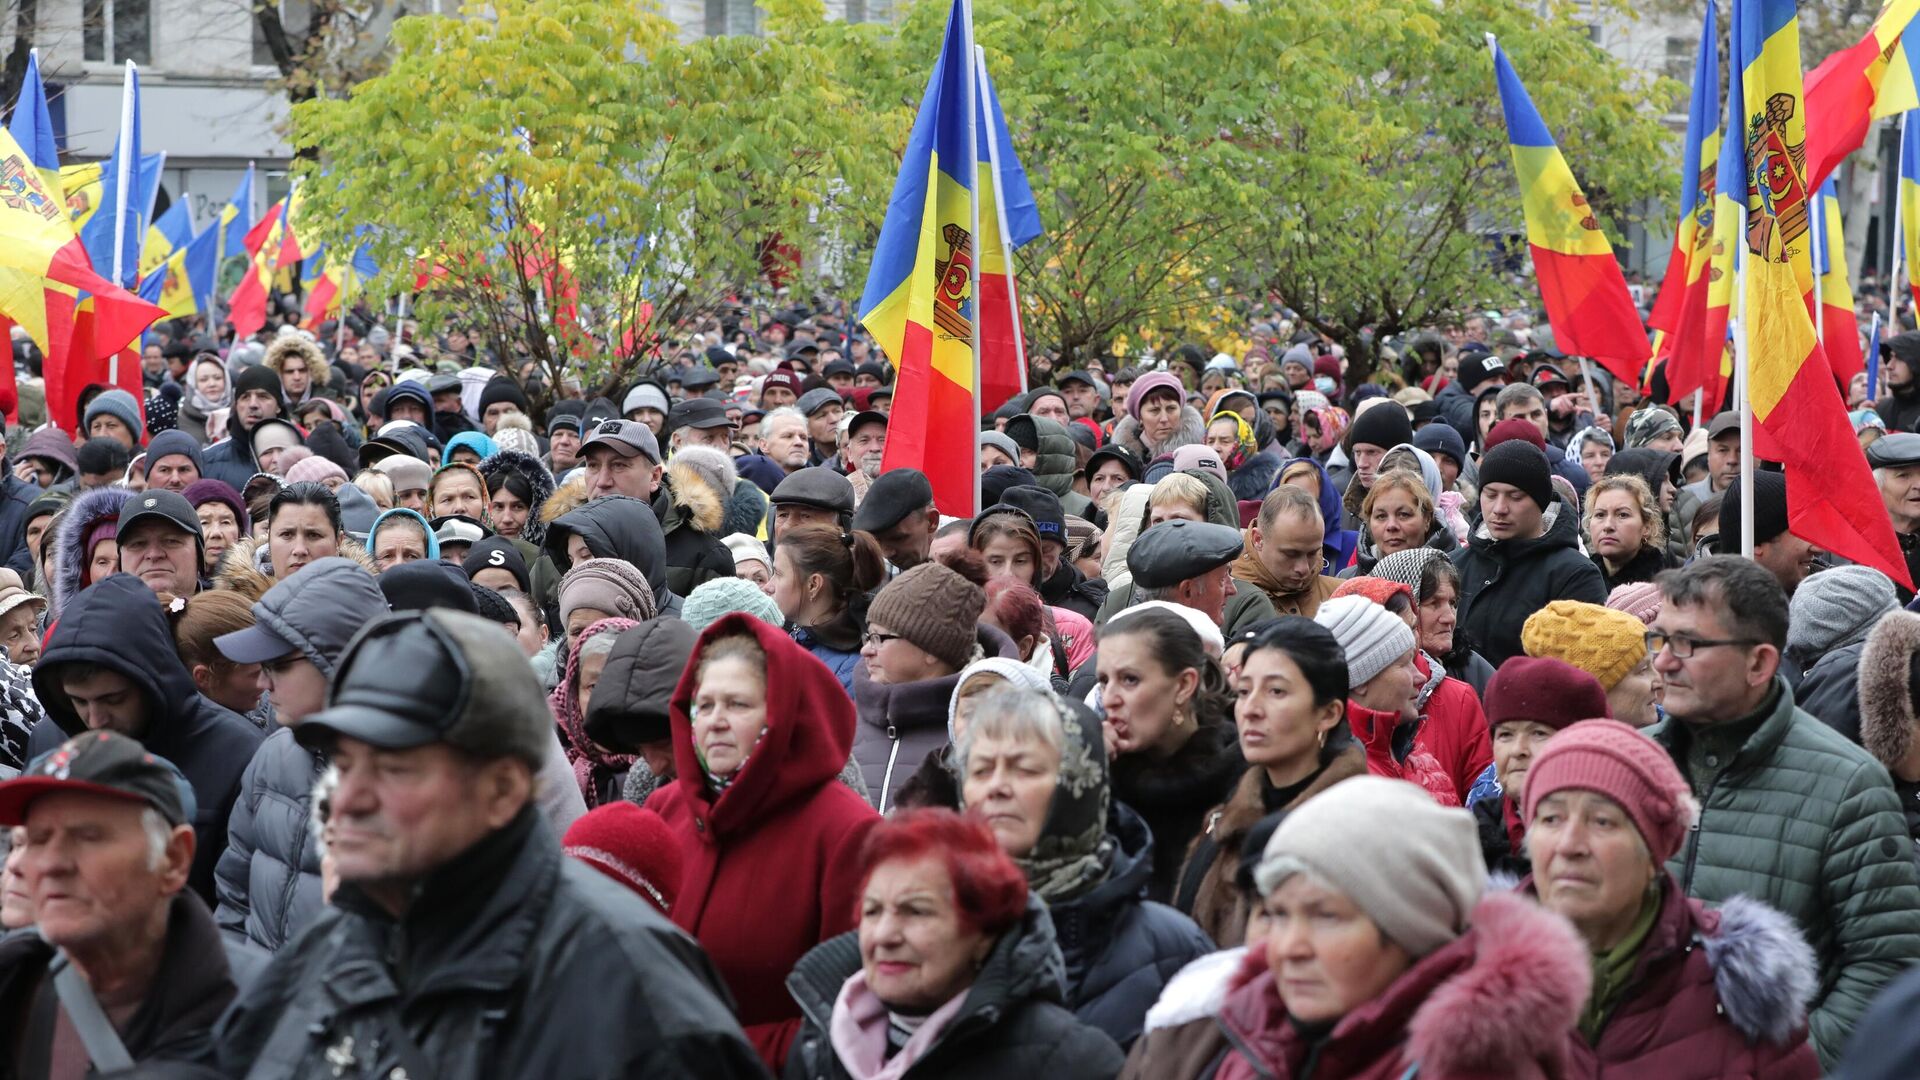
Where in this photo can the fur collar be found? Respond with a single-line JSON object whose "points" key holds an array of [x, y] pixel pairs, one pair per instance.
{"points": [[1193, 777], [538, 479], [1192, 430], [705, 508], [1763, 970], [1196, 991], [1886, 702], [70, 547], [245, 570]]}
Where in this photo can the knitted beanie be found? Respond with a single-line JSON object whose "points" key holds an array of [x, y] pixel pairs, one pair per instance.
{"points": [[631, 845], [935, 609], [1158, 380], [610, 585], [1377, 589], [711, 599], [315, 469], [1542, 690], [1516, 429], [1411, 865], [745, 548], [1642, 600], [1600, 641], [118, 404], [1769, 510], [1408, 567], [1521, 465], [1385, 426], [1371, 636], [1836, 608], [1612, 759]]}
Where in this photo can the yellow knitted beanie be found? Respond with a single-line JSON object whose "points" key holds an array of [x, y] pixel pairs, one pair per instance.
{"points": [[1598, 640]]}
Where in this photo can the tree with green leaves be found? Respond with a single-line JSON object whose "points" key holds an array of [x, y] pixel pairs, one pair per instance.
{"points": [[576, 184]]}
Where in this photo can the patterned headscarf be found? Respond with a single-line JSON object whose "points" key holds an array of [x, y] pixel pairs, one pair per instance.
{"points": [[1074, 852], [1333, 422]]}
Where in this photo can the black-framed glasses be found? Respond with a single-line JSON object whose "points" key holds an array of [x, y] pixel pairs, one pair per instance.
{"points": [[876, 639], [1683, 647]]}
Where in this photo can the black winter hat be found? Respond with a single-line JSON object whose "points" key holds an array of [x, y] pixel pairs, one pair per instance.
{"points": [[1385, 426], [502, 389], [995, 481], [425, 584], [1521, 464], [260, 377], [1769, 511], [630, 700], [497, 553], [1043, 506]]}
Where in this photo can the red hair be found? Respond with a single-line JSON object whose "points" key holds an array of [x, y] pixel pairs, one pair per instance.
{"points": [[1014, 607], [989, 891]]}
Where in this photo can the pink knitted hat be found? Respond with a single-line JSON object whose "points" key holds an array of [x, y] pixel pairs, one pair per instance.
{"points": [[1640, 600], [1609, 758]]}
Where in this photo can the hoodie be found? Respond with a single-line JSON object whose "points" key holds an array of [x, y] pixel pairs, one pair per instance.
{"points": [[784, 827], [118, 624], [617, 527], [373, 534]]}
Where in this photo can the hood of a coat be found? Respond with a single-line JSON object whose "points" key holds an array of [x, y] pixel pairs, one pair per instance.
{"points": [[116, 623], [538, 479], [1332, 511], [1653, 466], [402, 513], [808, 737], [919, 705], [1562, 531], [614, 527], [54, 445], [687, 500], [638, 681], [1763, 969], [1124, 522], [82, 514], [1222, 507], [1887, 718], [1055, 464], [319, 609]]}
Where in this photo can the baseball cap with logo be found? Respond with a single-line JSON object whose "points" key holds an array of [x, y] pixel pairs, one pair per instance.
{"points": [[628, 438], [100, 763]]}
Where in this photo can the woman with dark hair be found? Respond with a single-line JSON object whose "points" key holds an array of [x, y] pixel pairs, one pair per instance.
{"points": [[303, 526], [518, 488], [822, 575], [952, 971], [1168, 724], [1290, 705]]}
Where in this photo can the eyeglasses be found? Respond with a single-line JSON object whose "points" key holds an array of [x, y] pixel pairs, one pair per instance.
{"points": [[876, 639], [1684, 647]]}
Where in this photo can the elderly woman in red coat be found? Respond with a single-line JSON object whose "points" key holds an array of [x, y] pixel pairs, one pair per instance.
{"points": [[761, 730], [1680, 992]]}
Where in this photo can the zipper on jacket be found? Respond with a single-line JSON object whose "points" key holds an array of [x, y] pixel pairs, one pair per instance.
{"points": [[1693, 836], [893, 754], [1245, 1051]]}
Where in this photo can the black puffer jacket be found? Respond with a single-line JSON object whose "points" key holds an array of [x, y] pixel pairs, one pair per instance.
{"points": [[511, 961], [1069, 588], [1504, 581], [630, 701], [900, 723], [617, 527], [691, 515], [1055, 463], [117, 624], [1830, 689], [1121, 948], [1011, 1024], [15, 496], [1174, 794], [1901, 407]]}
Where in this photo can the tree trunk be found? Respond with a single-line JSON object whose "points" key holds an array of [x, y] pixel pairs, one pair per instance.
{"points": [[25, 26]]}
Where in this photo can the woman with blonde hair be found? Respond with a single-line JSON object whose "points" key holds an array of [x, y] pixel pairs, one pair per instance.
{"points": [[1625, 530]]}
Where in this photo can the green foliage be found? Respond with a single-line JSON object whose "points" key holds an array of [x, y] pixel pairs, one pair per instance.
{"points": [[585, 183]]}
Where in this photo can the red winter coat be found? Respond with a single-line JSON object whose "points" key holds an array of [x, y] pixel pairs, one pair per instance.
{"points": [[771, 865], [1499, 1001], [1394, 751], [1454, 730], [1716, 993]]}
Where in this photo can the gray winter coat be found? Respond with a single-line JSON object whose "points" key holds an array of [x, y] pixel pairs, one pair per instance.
{"points": [[900, 723]]}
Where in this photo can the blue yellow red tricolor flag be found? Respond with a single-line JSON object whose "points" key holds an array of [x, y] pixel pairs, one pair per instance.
{"points": [[1876, 77], [1839, 327], [1693, 359], [1799, 416], [1585, 295], [267, 244], [920, 303], [1909, 211]]}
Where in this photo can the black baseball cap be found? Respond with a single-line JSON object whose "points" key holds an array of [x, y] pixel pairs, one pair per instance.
{"points": [[158, 503], [700, 412], [100, 763]]}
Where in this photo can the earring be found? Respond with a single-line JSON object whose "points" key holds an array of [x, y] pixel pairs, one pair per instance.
{"points": [[1323, 740]]}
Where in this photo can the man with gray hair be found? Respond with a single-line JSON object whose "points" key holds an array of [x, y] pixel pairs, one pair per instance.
{"points": [[449, 880], [784, 439], [126, 968]]}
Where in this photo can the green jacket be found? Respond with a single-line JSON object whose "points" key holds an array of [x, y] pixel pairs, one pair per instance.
{"points": [[1801, 819]]}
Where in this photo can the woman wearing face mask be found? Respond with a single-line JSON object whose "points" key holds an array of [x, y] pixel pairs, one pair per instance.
{"points": [[1679, 990], [761, 731], [207, 393], [951, 972], [1033, 768], [1168, 727], [1383, 685], [1385, 956], [1290, 709]]}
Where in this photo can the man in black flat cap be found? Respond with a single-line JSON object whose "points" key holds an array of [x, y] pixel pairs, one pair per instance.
{"points": [[1896, 469], [899, 512], [1187, 563]]}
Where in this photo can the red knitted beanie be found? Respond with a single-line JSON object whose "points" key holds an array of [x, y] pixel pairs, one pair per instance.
{"points": [[1611, 759], [631, 845], [1543, 690]]}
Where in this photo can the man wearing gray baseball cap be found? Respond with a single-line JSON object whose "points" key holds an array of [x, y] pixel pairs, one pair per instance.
{"points": [[436, 728]]}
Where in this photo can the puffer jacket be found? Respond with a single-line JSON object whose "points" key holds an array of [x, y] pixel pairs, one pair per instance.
{"points": [[512, 960], [691, 515], [1499, 1001], [1012, 1022], [900, 723], [1644, 566], [15, 496], [538, 479], [614, 527], [1453, 727], [835, 643], [230, 458], [1807, 823], [1715, 992], [1056, 462], [1206, 888], [1174, 794], [1502, 582], [1121, 949], [117, 624], [1069, 588], [1395, 751], [1830, 689]]}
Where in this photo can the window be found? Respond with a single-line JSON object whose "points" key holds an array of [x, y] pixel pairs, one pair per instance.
{"points": [[1680, 58], [127, 24], [732, 17]]}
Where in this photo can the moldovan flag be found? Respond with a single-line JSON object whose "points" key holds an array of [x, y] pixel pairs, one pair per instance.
{"points": [[1839, 327], [1693, 358], [1910, 201], [919, 303], [1799, 417], [266, 244], [1586, 297], [49, 322], [1873, 78]]}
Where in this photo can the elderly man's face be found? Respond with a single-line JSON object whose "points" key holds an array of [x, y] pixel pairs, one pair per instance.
{"points": [[91, 871], [399, 814]]}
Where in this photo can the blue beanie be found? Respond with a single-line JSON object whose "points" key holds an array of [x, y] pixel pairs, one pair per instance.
{"points": [[170, 443], [710, 600], [117, 403]]}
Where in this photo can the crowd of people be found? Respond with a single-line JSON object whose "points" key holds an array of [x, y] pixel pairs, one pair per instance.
{"points": [[370, 708]]}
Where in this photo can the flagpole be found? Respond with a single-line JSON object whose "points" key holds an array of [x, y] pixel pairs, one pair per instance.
{"points": [[1817, 234], [1899, 245], [1742, 381], [121, 183], [1000, 214], [973, 270]]}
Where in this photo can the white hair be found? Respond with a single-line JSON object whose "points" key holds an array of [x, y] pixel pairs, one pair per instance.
{"points": [[159, 835], [766, 422], [1015, 714]]}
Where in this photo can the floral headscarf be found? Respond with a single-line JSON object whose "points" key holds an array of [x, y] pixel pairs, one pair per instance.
{"points": [[1332, 422]]}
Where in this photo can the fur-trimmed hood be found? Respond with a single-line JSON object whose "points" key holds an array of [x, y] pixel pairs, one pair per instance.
{"points": [[1501, 1000], [701, 480], [1192, 430], [70, 556], [318, 371], [246, 570], [1763, 970], [538, 479], [1886, 698]]}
